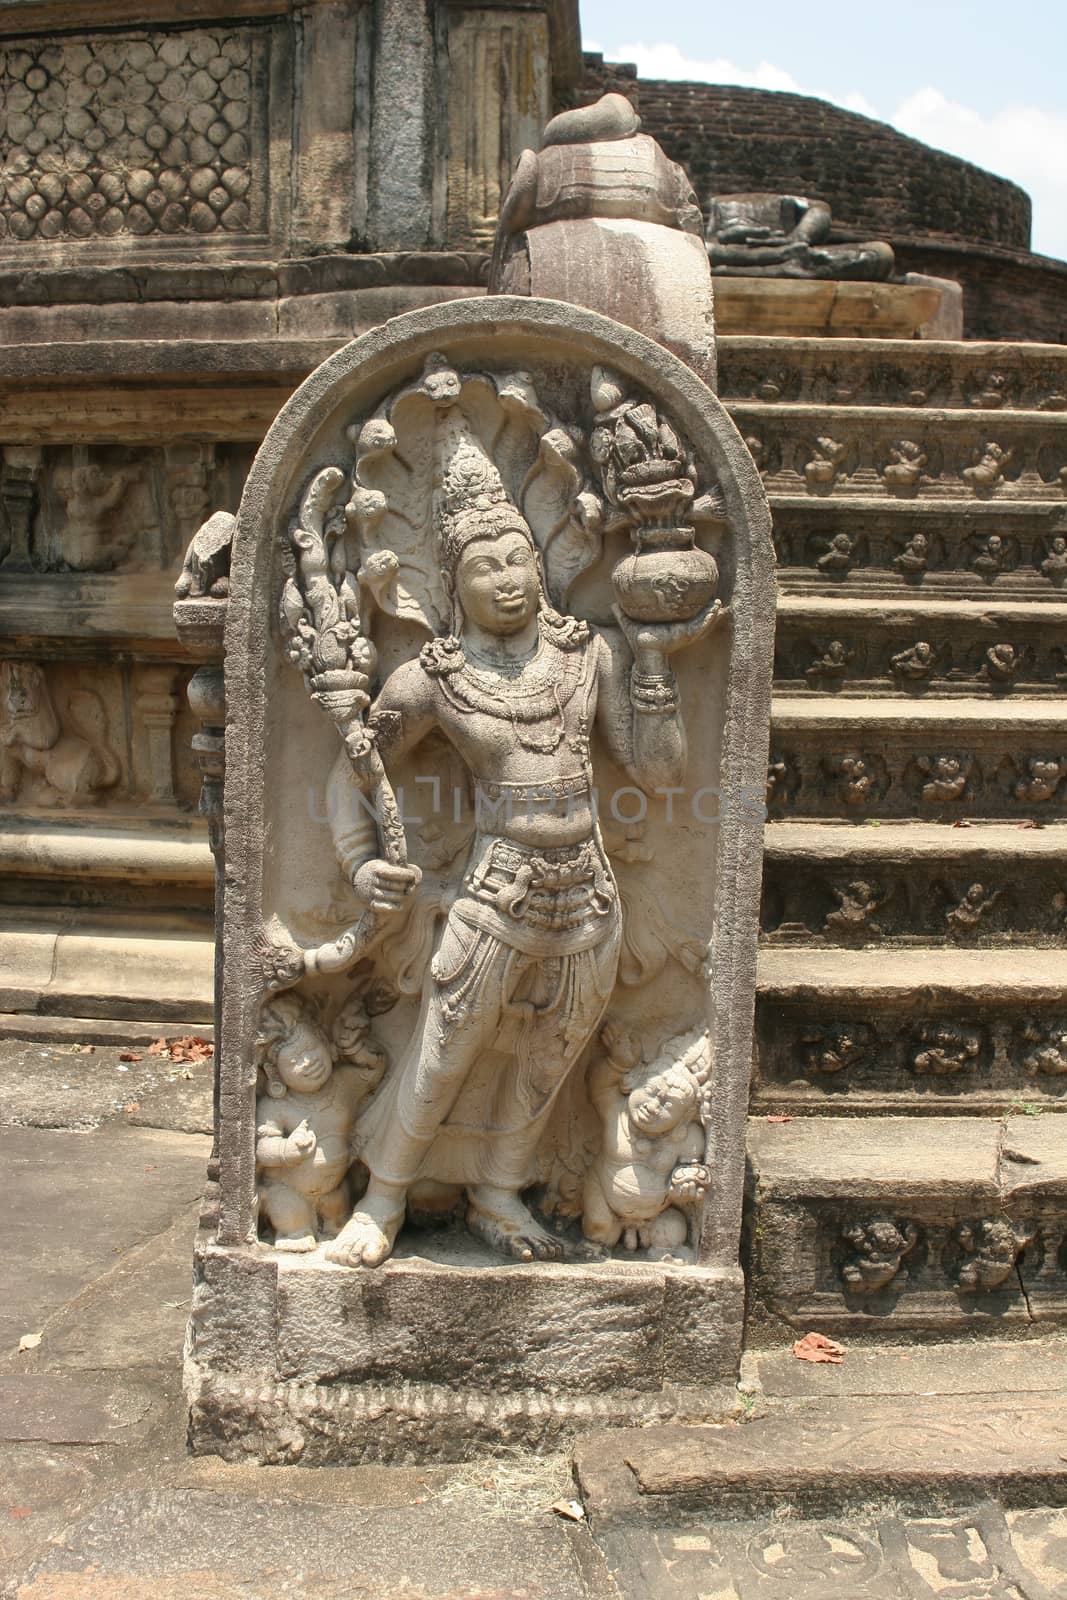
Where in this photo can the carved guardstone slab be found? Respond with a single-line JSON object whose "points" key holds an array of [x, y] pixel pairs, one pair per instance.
{"points": [[497, 676]]}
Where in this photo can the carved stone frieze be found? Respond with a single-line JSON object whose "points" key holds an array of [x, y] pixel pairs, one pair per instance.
{"points": [[917, 899], [1048, 1053], [826, 462], [997, 1058], [899, 775], [108, 508], [945, 1050], [929, 1250], [833, 1049], [853, 919], [20, 471], [931, 552], [903, 472], [94, 536], [956, 656], [865, 454], [129, 135], [971, 377]]}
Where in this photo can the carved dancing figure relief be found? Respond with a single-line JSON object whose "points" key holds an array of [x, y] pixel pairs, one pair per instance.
{"points": [[528, 955], [94, 537]]}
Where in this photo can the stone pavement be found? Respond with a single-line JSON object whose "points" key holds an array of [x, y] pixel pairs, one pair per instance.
{"points": [[100, 1501]]}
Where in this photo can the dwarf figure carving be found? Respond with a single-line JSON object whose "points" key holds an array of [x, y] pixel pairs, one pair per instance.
{"points": [[947, 1050], [1045, 775], [994, 1245], [305, 1112], [650, 1160], [916, 663], [946, 776], [880, 1247]]}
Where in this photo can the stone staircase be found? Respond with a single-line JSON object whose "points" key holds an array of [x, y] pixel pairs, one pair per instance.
{"points": [[908, 1148]]}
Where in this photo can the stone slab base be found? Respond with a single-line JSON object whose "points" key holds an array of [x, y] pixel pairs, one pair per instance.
{"points": [[921, 1452], [445, 1353], [814, 308]]}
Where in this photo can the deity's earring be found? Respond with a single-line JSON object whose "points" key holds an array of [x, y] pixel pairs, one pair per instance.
{"points": [[275, 1087]]}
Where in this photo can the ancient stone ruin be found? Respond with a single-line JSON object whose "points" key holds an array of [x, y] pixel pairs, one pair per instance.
{"points": [[497, 667], [197, 213]]}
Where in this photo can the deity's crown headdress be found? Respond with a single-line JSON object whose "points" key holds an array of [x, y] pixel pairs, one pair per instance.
{"points": [[469, 498]]}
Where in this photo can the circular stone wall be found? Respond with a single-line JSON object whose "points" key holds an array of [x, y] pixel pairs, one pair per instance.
{"points": [[876, 181]]}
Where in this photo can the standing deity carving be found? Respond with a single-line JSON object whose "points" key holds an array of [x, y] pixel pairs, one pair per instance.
{"points": [[525, 945]]}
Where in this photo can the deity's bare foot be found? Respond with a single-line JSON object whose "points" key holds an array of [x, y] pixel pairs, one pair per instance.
{"points": [[295, 1241], [367, 1238], [499, 1217]]}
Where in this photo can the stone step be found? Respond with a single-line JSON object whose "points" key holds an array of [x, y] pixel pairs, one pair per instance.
{"points": [[929, 1032], [890, 372], [888, 1225], [966, 549], [921, 646], [990, 884], [902, 757], [91, 964], [1032, 1365], [916, 1453], [906, 454], [136, 853]]}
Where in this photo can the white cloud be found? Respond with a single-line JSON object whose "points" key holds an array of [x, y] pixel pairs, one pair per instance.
{"points": [[1023, 143], [1020, 142], [667, 61]]}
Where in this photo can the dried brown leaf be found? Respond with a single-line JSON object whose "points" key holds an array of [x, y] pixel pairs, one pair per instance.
{"points": [[779, 1116], [130, 1055], [817, 1348], [191, 1048]]}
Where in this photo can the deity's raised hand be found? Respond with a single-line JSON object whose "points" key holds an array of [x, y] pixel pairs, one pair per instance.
{"points": [[664, 638]]}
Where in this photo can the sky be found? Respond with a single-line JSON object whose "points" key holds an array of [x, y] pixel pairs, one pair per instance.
{"points": [[984, 81]]}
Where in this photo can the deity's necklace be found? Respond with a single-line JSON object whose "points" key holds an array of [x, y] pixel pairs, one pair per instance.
{"points": [[540, 689]]}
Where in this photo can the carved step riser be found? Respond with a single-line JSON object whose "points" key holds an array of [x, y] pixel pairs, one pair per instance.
{"points": [[905, 454], [869, 901], [941, 774], [975, 550], [839, 372], [842, 1056], [810, 1267], [932, 657]]}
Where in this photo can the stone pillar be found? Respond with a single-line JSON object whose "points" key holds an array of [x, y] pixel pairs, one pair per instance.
{"points": [[200, 623], [499, 98], [18, 491], [325, 113], [402, 132], [157, 705]]}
